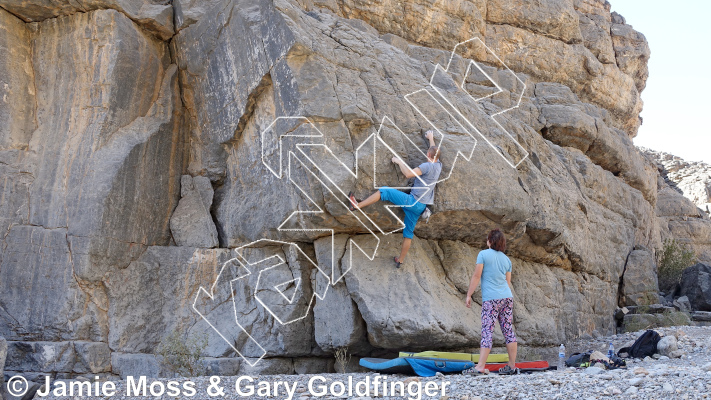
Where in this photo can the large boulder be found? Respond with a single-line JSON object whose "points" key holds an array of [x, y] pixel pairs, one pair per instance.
{"points": [[696, 285], [191, 223], [398, 315], [639, 281], [637, 322], [413, 306], [540, 204], [667, 345]]}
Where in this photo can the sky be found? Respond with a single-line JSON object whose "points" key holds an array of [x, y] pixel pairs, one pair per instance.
{"points": [[677, 105]]}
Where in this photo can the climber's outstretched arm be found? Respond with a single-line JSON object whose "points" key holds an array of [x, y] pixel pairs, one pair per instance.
{"points": [[430, 136], [406, 170]]}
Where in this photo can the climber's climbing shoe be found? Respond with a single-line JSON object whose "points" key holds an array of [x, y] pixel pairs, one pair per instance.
{"points": [[426, 215]]}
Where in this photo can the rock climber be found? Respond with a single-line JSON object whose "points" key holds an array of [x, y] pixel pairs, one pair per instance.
{"points": [[493, 271], [413, 204]]}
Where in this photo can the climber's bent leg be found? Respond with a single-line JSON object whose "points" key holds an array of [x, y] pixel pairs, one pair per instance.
{"points": [[372, 199], [384, 193], [412, 208], [394, 196]]}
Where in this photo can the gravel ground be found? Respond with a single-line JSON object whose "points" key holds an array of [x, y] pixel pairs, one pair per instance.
{"points": [[688, 377]]}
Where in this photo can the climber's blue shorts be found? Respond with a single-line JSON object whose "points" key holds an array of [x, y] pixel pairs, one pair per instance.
{"points": [[412, 208]]}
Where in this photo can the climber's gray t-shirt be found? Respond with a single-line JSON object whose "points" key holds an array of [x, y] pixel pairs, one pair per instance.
{"points": [[423, 188]]}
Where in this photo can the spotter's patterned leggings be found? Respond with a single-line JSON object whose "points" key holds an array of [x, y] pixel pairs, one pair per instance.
{"points": [[491, 310]]}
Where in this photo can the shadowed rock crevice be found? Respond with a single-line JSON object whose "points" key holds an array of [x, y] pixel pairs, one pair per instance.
{"points": [[254, 36], [252, 99]]}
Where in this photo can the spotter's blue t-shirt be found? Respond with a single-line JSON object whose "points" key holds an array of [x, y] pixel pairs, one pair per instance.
{"points": [[493, 277]]}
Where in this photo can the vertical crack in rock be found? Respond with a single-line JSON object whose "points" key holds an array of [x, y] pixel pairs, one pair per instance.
{"points": [[621, 283], [252, 99]]}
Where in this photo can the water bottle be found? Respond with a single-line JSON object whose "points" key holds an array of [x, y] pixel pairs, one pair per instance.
{"points": [[610, 351], [561, 358]]}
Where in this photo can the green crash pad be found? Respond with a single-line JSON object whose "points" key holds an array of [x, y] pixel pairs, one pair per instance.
{"points": [[493, 358]]}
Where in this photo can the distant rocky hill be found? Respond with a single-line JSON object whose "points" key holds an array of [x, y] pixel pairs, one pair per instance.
{"points": [[682, 202], [131, 139], [692, 178]]}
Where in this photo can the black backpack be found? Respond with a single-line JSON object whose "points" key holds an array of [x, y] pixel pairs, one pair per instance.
{"points": [[578, 360], [644, 346]]}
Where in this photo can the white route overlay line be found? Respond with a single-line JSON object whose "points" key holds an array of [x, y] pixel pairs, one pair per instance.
{"points": [[211, 296], [241, 261], [341, 194], [329, 183], [500, 90], [297, 284], [378, 136], [442, 134]]}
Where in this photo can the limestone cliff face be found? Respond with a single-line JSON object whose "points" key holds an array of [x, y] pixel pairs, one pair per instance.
{"points": [[91, 162], [105, 104]]}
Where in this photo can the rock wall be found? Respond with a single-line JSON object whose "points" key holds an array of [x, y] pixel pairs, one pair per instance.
{"points": [[130, 156], [91, 174]]}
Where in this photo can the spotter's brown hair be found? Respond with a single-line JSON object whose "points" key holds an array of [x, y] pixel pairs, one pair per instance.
{"points": [[497, 240]]}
